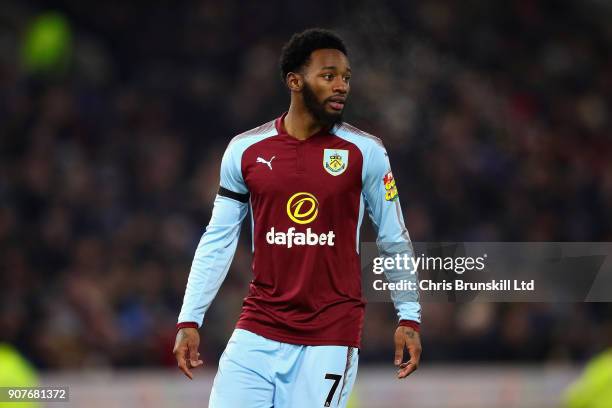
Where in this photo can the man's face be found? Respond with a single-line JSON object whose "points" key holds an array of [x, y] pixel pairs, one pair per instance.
{"points": [[326, 85]]}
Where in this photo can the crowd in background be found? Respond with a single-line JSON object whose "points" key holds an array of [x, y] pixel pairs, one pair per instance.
{"points": [[496, 117]]}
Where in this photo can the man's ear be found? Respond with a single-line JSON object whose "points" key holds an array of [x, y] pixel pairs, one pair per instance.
{"points": [[294, 81]]}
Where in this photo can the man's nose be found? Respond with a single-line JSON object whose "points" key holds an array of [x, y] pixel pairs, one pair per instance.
{"points": [[340, 86]]}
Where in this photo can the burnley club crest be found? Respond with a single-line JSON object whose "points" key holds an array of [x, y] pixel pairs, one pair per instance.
{"points": [[335, 161]]}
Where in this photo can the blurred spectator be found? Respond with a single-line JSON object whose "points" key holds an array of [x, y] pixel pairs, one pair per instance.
{"points": [[15, 371], [594, 388]]}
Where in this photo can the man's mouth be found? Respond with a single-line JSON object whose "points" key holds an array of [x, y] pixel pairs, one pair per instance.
{"points": [[337, 103]]}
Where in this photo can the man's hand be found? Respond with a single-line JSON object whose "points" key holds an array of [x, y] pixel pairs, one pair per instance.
{"points": [[186, 350], [407, 337]]}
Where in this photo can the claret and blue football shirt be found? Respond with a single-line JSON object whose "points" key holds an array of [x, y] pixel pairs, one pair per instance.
{"points": [[307, 199]]}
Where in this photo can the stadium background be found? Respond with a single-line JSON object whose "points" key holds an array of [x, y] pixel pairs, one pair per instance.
{"points": [[114, 117]]}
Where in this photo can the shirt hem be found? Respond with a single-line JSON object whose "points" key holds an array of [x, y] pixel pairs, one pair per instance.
{"points": [[298, 340]]}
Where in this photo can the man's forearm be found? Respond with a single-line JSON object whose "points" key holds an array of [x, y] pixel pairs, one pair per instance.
{"points": [[406, 302], [212, 259]]}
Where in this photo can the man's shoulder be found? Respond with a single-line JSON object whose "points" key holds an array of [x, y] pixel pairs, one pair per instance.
{"points": [[364, 140], [257, 133]]}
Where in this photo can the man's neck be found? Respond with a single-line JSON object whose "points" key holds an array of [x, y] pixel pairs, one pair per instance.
{"points": [[300, 124]]}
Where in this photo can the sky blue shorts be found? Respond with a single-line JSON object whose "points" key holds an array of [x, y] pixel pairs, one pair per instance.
{"points": [[256, 372]]}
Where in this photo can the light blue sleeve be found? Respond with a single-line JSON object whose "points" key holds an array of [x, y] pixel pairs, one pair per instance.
{"points": [[218, 243], [231, 167], [392, 237]]}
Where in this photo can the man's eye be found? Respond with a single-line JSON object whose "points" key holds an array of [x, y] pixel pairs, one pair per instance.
{"points": [[328, 77], [347, 78]]}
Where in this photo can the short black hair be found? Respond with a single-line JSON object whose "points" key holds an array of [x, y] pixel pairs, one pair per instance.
{"points": [[296, 52]]}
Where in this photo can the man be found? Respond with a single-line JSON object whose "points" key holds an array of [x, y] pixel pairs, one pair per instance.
{"points": [[307, 178]]}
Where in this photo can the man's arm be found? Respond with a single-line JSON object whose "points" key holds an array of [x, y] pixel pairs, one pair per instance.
{"points": [[212, 260], [381, 196]]}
